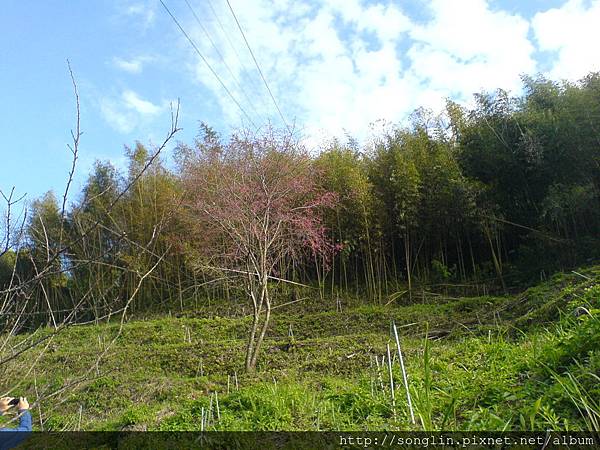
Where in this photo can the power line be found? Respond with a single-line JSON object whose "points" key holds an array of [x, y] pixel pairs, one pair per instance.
{"points": [[239, 86], [256, 63], [249, 78], [207, 63]]}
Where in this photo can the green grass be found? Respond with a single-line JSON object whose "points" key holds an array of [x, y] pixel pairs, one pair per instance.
{"points": [[483, 363]]}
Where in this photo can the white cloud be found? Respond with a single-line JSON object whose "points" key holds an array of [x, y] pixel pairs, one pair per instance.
{"points": [[115, 116], [573, 32], [131, 66], [322, 78], [335, 64], [467, 47], [144, 11], [129, 111], [134, 65], [143, 107]]}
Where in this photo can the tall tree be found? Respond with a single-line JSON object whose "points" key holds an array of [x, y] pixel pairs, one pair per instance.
{"points": [[352, 222]]}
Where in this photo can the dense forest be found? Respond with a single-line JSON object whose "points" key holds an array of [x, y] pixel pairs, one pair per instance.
{"points": [[487, 198]]}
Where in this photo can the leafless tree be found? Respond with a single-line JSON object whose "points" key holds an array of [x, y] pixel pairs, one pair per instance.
{"points": [[21, 347]]}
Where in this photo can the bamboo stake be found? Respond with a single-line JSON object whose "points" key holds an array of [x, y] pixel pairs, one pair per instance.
{"points": [[40, 404], [404, 377], [218, 409], [389, 359], [379, 373]]}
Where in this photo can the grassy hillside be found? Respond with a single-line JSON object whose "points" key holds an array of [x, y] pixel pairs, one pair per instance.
{"points": [[484, 363]]}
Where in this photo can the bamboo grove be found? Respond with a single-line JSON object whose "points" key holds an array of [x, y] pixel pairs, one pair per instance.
{"points": [[488, 196]]}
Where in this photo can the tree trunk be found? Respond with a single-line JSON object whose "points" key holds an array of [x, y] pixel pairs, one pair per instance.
{"points": [[250, 345], [407, 258], [251, 365]]}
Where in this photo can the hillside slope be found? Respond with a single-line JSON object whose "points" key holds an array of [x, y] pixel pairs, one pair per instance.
{"points": [[481, 363]]}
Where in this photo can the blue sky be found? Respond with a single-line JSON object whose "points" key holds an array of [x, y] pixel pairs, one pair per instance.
{"points": [[334, 66]]}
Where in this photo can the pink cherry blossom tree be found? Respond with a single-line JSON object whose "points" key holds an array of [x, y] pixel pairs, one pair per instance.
{"points": [[254, 206]]}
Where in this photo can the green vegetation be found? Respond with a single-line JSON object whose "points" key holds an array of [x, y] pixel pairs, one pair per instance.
{"points": [[495, 197], [146, 303], [523, 361]]}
